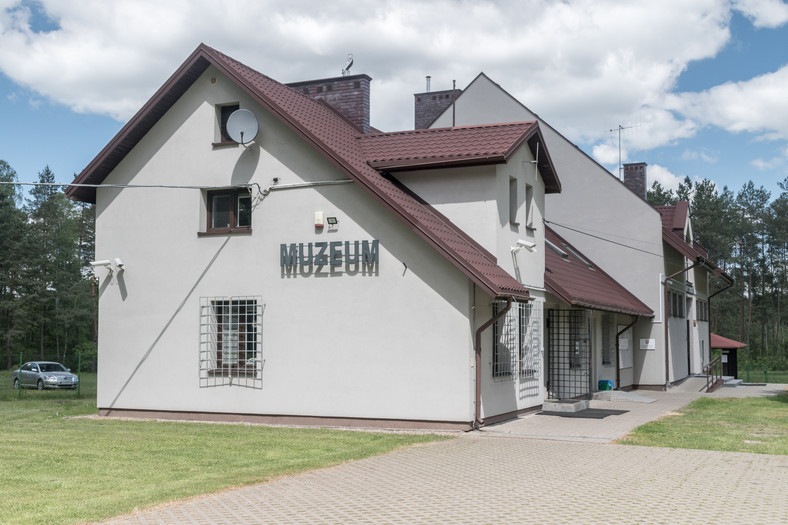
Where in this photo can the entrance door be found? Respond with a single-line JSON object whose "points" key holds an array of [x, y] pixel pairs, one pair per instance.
{"points": [[569, 354]]}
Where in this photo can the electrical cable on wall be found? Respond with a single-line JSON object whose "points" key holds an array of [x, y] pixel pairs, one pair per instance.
{"points": [[602, 238]]}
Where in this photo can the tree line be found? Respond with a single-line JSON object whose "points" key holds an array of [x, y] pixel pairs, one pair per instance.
{"points": [[48, 306], [746, 235]]}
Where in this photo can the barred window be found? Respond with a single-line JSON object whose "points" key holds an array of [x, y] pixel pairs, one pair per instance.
{"points": [[231, 341], [517, 341]]}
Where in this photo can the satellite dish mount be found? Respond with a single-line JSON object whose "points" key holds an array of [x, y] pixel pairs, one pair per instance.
{"points": [[242, 126]]}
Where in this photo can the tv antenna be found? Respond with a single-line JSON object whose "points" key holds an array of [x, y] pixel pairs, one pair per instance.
{"points": [[620, 166]]}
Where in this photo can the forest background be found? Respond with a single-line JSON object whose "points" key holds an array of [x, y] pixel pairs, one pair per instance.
{"points": [[48, 305]]}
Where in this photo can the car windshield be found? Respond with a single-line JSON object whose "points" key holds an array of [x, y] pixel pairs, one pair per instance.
{"points": [[52, 367]]}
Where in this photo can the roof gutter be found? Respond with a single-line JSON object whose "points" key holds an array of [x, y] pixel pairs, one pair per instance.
{"points": [[478, 422], [665, 317]]}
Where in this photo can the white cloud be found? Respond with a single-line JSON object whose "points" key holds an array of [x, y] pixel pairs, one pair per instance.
{"points": [[758, 105], [660, 174], [584, 66], [763, 13], [775, 163], [703, 155], [607, 154], [768, 165]]}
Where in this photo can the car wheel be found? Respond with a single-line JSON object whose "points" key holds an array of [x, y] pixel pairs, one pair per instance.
{"points": [[16, 384], [40, 385]]}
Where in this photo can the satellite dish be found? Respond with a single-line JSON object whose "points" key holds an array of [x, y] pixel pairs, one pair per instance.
{"points": [[242, 126]]}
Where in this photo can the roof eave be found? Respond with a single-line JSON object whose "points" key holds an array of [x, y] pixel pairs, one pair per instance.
{"points": [[138, 125], [422, 164]]}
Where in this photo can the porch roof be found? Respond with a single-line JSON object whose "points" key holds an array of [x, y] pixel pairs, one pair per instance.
{"points": [[576, 281]]}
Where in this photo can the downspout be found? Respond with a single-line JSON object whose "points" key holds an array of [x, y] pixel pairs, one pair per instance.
{"points": [[478, 422], [665, 319], [618, 350], [708, 300]]}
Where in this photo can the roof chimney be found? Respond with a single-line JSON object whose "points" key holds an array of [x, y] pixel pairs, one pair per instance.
{"points": [[347, 94], [430, 104], [635, 178]]}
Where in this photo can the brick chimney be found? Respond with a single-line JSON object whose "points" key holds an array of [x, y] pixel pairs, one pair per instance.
{"points": [[635, 178], [431, 104], [349, 95]]}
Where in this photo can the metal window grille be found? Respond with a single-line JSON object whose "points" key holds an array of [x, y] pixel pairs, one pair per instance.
{"points": [[231, 350], [517, 342], [568, 351]]}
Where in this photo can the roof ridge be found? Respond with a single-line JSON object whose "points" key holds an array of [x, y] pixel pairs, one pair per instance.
{"points": [[446, 129]]}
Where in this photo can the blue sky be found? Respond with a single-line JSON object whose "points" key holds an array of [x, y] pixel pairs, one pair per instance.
{"points": [[701, 87]]}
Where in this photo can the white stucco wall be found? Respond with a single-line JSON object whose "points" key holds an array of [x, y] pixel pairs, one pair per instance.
{"points": [[395, 343], [476, 199], [595, 212]]}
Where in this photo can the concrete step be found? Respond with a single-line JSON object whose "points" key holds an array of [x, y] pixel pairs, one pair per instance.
{"points": [[565, 405], [731, 382]]}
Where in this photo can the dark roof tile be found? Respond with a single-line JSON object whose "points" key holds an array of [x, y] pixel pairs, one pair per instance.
{"points": [[334, 138], [577, 284]]}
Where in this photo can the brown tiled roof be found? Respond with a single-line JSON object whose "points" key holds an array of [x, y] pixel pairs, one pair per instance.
{"points": [[330, 135], [578, 284], [458, 146], [717, 341], [674, 219]]}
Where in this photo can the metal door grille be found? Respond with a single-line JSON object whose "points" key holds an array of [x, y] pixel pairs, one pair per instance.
{"points": [[569, 356]]}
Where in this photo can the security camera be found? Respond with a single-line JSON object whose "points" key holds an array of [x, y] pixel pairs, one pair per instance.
{"points": [[120, 265], [520, 244], [100, 263]]}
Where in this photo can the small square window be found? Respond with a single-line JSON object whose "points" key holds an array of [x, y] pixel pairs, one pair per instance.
{"points": [[229, 211], [224, 114]]}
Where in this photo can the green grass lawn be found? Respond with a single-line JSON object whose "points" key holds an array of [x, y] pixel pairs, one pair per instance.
{"points": [[57, 469], [755, 424]]}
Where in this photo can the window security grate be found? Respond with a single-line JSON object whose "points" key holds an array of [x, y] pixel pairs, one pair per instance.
{"points": [[231, 347], [517, 342]]}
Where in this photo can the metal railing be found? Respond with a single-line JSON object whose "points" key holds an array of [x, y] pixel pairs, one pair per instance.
{"points": [[713, 372]]}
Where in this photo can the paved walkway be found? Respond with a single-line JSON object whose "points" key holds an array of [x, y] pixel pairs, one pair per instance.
{"points": [[537, 469]]}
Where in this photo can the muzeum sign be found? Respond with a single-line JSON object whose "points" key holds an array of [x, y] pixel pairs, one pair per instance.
{"points": [[332, 253]]}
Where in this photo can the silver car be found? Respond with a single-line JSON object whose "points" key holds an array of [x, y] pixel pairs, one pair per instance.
{"points": [[44, 374]]}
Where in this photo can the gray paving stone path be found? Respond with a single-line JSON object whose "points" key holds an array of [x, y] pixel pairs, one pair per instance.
{"points": [[536, 469]]}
